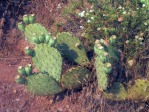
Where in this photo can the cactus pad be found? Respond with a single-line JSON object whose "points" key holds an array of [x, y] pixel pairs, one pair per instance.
{"points": [[101, 75], [116, 93], [34, 31], [106, 56], [42, 84], [75, 77], [48, 59], [139, 91], [71, 48]]}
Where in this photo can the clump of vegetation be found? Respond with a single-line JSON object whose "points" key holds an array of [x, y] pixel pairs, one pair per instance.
{"points": [[128, 21], [121, 32]]}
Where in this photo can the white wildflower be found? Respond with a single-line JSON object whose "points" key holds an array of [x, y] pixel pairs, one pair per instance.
{"points": [[88, 21], [124, 12], [143, 5], [81, 14], [127, 41], [91, 10], [145, 23], [98, 29], [92, 18], [81, 27]]}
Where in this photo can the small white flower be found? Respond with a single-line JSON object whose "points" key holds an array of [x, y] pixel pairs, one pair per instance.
{"points": [[88, 21], [98, 29], [124, 12], [100, 47], [140, 38], [81, 14], [120, 7], [81, 27], [137, 8], [104, 14], [136, 37], [127, 41], [92, 18], [143, 5], [145, 23], [141, 43], [91, 10]]}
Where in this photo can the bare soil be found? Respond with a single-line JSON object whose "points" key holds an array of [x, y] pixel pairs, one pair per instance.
{"points": [[14, 97]]}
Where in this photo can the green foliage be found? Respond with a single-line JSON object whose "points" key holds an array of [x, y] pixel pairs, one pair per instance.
{"points": [[106, 57], [139, 90], [75, 77], [71, 48], [127, 20], [73, 5], [136, 92], [48, 59], [116, 93]]}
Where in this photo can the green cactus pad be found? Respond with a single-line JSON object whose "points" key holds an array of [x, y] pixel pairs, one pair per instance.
{"points": [[116, 93], [42, 85], [139, 91], [113, 53], [101, 75], [71, 48], [75, 77], [34, 30], [48, 59]]}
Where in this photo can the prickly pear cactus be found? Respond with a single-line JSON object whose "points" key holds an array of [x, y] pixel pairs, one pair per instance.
{"points": [[42, 84], [38, 84], [75, 77], [116, 93], [71, 48], [34, 32], [48, 59], [139, 90], [106, 56]]}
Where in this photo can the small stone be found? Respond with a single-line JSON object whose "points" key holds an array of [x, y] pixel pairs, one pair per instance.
{"points": [[14, 91]]}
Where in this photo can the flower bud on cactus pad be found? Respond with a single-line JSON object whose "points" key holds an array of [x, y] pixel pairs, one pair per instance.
{"points": [[20, 79], [26, 19], [21, 71], [28, 51], [21, 26], [28, 69], [112, 39], [31, 18]]}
